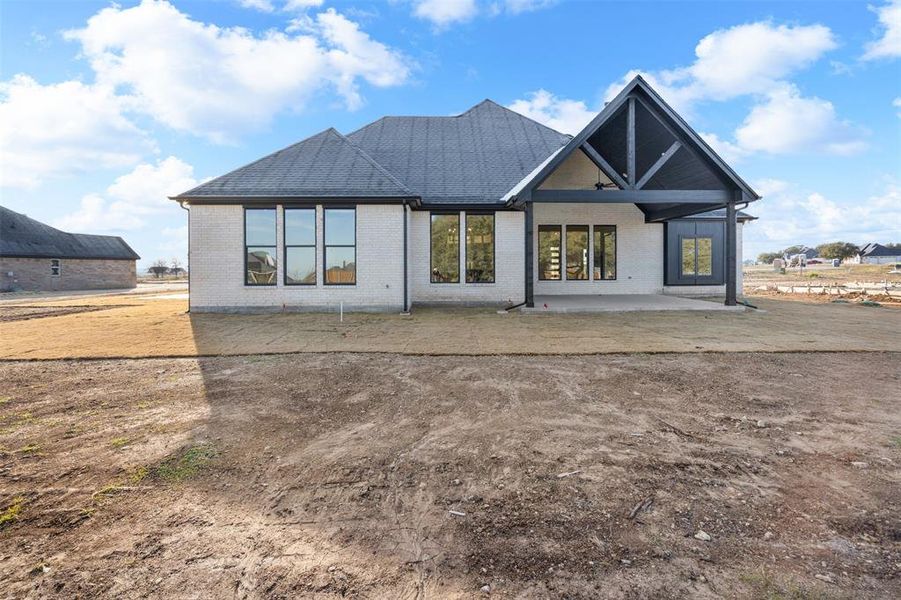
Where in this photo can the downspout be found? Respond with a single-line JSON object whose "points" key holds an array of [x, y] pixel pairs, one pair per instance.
{"points": [[181, 203], [406, 305]]}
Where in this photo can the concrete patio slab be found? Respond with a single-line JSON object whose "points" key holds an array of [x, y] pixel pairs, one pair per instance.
{"points": [[622, 303]]}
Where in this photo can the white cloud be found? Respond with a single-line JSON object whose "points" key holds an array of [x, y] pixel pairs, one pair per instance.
{"points": [[445, 12], [262, 5], [889, 45], [787, 122], [566, 116], [520, 6], [755, 60], [788, 216], [897, 104], [745, 59], [301, 5], [174, 240], [65, 128], [222, 81], [132, 197]]}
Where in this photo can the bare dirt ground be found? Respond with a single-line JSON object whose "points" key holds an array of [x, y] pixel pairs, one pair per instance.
{"points": [[389, 476], [819, 274], [157, 326]]}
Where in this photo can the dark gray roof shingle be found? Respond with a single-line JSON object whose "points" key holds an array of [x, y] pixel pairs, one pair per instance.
{"points": [[875, 249], [325, 165], [22, 236], [475, 157]]}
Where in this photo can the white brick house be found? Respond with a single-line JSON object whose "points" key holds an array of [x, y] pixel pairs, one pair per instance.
{"points": [[488, 207]]}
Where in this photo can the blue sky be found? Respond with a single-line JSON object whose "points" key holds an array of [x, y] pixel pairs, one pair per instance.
{"points": [[107, 108]]}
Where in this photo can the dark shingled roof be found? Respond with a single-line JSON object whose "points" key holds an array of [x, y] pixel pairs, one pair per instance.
{"points": [[475, 157], [874, 249], [324, 165], [23, 237]]}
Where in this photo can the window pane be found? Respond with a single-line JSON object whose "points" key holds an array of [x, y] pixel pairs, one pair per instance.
{"points": [[261, 266], [549, 252], [340, 229], [605, 252], [705, 256], [445, 248], [688, 256], [300, 265], [340, 264], [577, 251], [300, 226], [259, 226], [479, 248]]}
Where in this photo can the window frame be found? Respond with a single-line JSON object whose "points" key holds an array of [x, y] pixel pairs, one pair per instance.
{"points": [[274, 248], [314, 246], [565, 238], [445, 213], [326, 245], [493, 216], [615, 255], [696, 274], [58, 266], [560, 248]]}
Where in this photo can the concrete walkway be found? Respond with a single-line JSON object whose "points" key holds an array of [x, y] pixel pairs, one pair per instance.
{"points": [[622, 303]]}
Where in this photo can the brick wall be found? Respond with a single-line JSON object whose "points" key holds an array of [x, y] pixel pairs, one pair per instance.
{"points": [[509, 264], [75, 274], [217, 264], [639, 248]]}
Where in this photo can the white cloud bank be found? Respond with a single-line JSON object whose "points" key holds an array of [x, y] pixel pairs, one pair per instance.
{"points": [[889, 44], [235, 80], [746, 60], [132, 198], [444, 13], [63, 128]]}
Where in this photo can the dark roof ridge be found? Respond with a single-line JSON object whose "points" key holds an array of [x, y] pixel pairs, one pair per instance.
{"points": [[373, 162]]}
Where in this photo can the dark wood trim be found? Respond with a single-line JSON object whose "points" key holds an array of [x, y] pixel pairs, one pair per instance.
{"points": [[406, 277], [731, 243], [658, 164], [530, 255], [630, 143], [601, 163], [715, 197], [678, 212]]}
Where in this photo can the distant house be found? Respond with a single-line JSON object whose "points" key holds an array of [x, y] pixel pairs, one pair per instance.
{"points": [[876, 254], [37, 257]]}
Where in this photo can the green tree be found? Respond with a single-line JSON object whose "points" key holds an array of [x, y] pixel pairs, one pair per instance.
{"points": [[767, 258], [840, 250], [792, 250], [894, 245]]}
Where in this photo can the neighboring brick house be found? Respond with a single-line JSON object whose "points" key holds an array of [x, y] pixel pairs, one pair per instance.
{"points": [[876, 254], [487, 207], [37, 257]]}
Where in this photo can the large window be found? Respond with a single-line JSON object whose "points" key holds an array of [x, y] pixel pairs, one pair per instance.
{"points": [[445, 248], [549, 237], [697, 257], [576, 252], [300, 246], [340, 246], [259, 246], [605, 251], [479, 248]]}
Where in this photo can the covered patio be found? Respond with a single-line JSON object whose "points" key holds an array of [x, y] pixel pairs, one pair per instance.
{"points": [[615, 188], [588, 303]]}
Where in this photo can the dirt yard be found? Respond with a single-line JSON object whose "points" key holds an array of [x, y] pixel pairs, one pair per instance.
{"points": [[135, 326], [384, 476], [818, 274]]}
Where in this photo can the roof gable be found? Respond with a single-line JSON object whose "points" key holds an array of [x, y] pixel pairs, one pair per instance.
{"points": [[668, 154], [24, 237], [324, 165]]}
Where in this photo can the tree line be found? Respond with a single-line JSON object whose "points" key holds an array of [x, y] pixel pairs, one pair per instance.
{"points": [[839, 250]]}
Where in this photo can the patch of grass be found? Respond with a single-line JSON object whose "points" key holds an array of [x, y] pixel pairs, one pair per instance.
{"points": [[186, 464], [896, 441], [119, 442], [5, 399], [30, 450], [142, 405], [18, 420], [138, 475], [766, 586], [813, 275], [107, 491], [12, 512]]}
